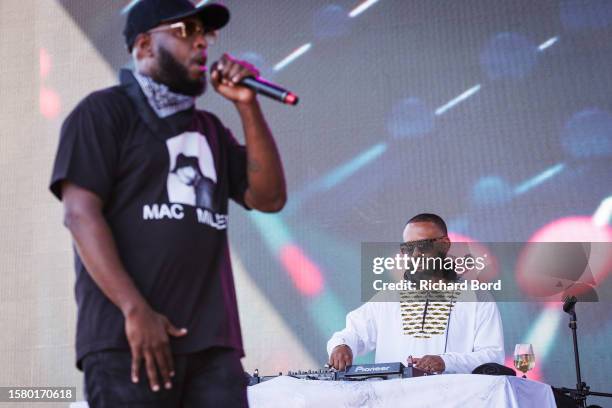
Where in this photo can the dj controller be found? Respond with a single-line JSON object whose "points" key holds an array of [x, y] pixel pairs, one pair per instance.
{"points": [[358, 372]]}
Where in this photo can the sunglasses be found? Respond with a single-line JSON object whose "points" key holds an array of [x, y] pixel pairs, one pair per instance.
{"points": [[424, 245], [189, 29]]}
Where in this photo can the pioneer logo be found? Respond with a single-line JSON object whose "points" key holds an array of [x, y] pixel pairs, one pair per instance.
{"points": [[372, 369]]}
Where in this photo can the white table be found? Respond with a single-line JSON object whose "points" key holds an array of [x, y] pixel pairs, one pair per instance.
{"points": [[438, 391]]}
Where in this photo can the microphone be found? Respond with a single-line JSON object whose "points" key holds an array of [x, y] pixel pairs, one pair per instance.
{"points": [[569, 303], [266, 88], [261, 86]]}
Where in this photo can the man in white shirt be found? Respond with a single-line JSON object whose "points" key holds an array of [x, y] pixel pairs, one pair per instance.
{"points": [[452, 337]]}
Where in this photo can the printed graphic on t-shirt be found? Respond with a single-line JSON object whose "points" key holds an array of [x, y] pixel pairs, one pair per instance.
{"points": [[192, 181], [192, 178]]}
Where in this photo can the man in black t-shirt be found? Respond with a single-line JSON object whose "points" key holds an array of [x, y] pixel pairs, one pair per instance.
{"points": [[145, 180]]}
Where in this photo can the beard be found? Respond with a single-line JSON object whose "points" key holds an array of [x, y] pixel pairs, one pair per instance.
{"points": [[176, 77]]}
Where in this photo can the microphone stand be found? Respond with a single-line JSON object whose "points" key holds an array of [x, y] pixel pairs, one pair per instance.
{"points": [[582, 390]]}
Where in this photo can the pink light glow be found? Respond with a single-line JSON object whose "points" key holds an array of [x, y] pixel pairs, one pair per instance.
{"points": [[45, 63], [581, 229], [306, 276], [537, 262], [573, 229], [50, 103]]}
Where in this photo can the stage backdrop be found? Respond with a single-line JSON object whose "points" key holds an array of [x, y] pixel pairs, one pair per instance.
{"points": [[495, 114]]}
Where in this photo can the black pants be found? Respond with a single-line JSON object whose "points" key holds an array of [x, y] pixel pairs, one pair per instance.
{"points": [[210, 378]]}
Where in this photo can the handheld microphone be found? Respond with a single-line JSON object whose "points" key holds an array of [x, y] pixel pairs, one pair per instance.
{"points": [[568, 304], [266, 88], [261, 86]]}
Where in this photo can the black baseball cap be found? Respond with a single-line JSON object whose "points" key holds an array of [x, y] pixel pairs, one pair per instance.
{"points": [[147, 14]]}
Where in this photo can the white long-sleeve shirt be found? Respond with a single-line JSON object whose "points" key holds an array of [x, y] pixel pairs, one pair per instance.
{"points": [[474, 330]]}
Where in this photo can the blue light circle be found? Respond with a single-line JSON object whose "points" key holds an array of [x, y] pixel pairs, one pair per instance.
{"points": [[508, 55], [330, 21], [491, 190], [410, 118], [588, 134]]}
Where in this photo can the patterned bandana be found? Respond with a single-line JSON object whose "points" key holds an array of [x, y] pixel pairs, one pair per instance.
{"points": [[163, 101]]}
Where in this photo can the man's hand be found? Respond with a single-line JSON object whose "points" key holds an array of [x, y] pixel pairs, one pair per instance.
{"points": [[341, 357], [432, 364], [226, 76], [147, 332]]}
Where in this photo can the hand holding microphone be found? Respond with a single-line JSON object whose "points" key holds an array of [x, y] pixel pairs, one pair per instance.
{"points": [[239, 81]]}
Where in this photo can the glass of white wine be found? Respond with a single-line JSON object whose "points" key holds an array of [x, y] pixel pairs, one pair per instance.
{"points": [[524, 359]]}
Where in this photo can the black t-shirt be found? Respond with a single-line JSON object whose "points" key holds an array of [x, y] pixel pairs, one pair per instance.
{"points": [[165, 185]]}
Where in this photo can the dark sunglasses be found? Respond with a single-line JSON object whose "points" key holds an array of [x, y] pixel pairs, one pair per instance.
{"points": [[424, 245]]}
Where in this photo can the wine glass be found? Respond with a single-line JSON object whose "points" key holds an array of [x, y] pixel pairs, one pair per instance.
{"points": [[524, 359]]}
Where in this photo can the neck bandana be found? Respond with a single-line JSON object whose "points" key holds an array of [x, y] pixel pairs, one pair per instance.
{"points": [[161, 99]]}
